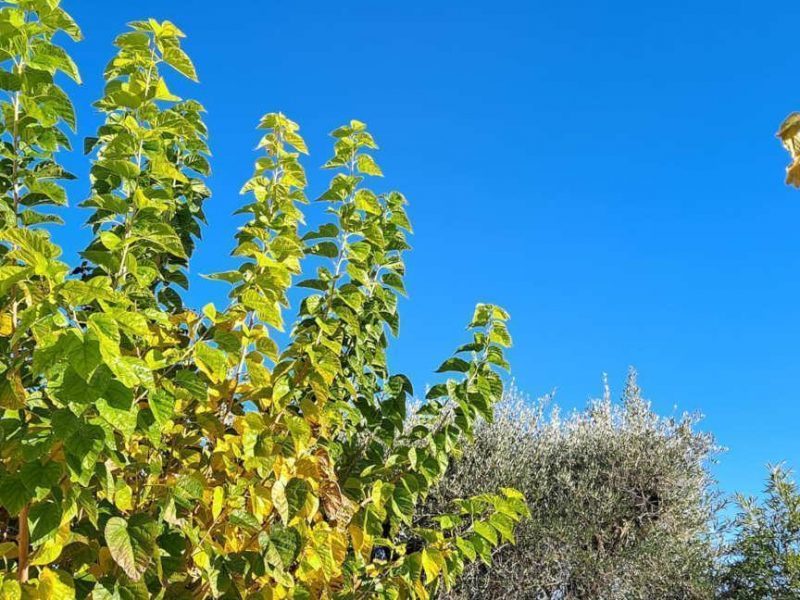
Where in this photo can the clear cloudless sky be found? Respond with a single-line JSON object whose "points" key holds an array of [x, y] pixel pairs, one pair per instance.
{"points": [[607, 171]]}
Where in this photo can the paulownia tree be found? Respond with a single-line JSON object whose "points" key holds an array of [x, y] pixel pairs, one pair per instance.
{"points": [[151, 450]]}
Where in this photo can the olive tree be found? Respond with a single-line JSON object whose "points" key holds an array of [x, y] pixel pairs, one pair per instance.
{"points": [[622, 502], [763, 559]]}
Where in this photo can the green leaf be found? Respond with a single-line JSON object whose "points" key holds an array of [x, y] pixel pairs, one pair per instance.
{"points": [[499, 314], [486, 531], [287, 543], [164, 237], [83, 448], [13, 494], [297, 491], [453, 364], [10, 82], [132, 322], [55, 584], [467, 549], [211, 361], [267, 310], [40, 478], [394, 280], [12, 392], [84, 355], [161, 167], [367, 165], [504, 525], [44, 519], [50, 57], [327, 249], [329, 230], [499, 335], [495, 356], [432, 563], [279, 500], [74, 388], [57, 18], [123, 421], [131, 371], [189, 487], [123, 495], [106, 328], [123, 168], [162, 92], [482, 314], [227, 276], [110, 240], [403, 502], [45, 192], [10, 588], [117, 408], [367, 200], [180, 61], [242, 518], [131, 543], [162, 405], [89, 143]]}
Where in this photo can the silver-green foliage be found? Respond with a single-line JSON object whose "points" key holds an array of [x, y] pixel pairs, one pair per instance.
{"points": [[622, 502], [763, 558]]}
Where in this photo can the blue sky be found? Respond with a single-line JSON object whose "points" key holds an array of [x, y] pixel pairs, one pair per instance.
{"points": [[606, 171]]}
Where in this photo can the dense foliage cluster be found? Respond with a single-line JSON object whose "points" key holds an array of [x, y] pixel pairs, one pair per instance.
{"points": [[151, 450], [622, 502], [763, 560]]}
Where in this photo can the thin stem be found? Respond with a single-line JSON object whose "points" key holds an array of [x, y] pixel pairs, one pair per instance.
{"points": [[344, 236], [23, 541], [130, 216], [15, 141]]}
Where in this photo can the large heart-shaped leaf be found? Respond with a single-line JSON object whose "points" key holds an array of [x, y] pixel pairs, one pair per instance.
{"points": [[131, 543]]}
